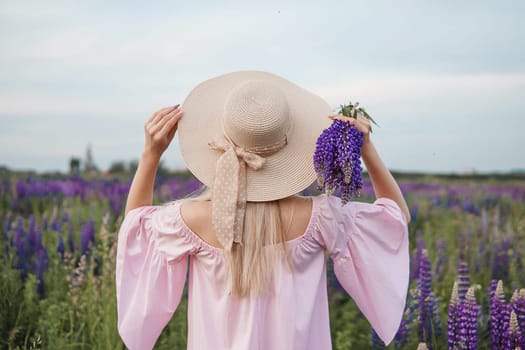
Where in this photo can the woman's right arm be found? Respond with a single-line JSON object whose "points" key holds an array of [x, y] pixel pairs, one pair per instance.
{"points": [[382, 180]]}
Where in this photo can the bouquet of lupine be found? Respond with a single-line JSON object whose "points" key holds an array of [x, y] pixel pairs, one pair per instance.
{"points": [[337, 156]]}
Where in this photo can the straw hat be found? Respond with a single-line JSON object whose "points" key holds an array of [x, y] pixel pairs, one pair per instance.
{"points": [[260, 112]]}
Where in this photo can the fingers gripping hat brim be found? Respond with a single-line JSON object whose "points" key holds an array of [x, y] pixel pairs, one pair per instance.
{"points": [[284, 173]]}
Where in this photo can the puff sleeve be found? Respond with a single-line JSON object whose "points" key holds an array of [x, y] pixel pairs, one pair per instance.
{"points": [[368, 244], [151, 270]]}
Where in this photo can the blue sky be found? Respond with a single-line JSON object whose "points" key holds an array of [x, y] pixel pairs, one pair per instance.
{"points": [[444, 79]]}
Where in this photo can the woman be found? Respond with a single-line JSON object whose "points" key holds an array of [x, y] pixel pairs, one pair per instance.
{"points": [[256, 248]]}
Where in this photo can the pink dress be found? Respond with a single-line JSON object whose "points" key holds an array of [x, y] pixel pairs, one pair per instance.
{"points": [[368, 244]]}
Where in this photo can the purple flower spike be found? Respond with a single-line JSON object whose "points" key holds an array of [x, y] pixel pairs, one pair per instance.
{"points": [[463, 279], [453, 318], [467, 326], [514, 334], [499, 316], [425, 308], [401, 337], [337, 160], [41, 266], [442, 259], [22, 249], [377, 343], [87, 238], [518, 307]]}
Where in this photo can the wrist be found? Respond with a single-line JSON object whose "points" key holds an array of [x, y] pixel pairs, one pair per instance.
{"points": [[367, 146], [150, 157]]}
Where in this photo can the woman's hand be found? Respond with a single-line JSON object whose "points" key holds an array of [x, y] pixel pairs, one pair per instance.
{"points": [[361, 123], [160, 130]]}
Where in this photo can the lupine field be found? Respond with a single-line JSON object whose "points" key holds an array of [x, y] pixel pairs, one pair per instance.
{"points": [[57, 288]]}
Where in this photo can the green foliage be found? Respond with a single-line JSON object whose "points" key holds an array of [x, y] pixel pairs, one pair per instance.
{"points": [[77, 309], [353, 110]]}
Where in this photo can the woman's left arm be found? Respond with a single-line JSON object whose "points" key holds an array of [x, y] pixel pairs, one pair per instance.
{"points": [[159, 132]]}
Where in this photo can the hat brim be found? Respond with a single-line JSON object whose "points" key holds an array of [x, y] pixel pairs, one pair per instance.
{"points": [[284, 173]]}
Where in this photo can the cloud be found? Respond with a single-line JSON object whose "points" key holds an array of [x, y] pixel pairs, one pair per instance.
{"points": [[474, 92], [113, 64]]}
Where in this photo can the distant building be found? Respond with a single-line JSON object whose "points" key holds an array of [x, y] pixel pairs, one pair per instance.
{"points": [[89, 163], [469, 171]]}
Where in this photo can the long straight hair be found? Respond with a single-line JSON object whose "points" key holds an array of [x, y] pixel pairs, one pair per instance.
{"points": [[251, 264]]}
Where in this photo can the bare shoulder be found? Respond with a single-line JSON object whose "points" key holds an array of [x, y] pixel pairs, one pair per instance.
{"points": [[296, 212], [194, 212], [305, 204], [197, 216]]}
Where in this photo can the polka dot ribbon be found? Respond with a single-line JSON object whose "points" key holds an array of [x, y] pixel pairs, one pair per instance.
{"points": [[228, 204]]}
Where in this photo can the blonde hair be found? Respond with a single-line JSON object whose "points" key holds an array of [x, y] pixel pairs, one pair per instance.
{"points": [[251, 265]]}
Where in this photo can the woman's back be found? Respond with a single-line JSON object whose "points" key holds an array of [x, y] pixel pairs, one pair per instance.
{"points": [[295, 212]]}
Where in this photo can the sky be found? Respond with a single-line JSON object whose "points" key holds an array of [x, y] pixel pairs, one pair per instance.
{"points": [[444, 79]]}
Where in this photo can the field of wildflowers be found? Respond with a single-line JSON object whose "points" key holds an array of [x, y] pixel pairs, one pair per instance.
{"points": [[57, 288]]}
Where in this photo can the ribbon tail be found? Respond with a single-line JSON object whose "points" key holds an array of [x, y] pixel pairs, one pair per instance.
{"points": [[241, 205], [225, 193]]}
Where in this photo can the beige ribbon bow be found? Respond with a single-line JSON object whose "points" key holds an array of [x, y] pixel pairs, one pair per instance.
{"points": [[229, 190]]}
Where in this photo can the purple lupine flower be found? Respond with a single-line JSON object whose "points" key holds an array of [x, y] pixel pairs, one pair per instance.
{"points": [[54, 187], [55, 222], [501, 266], [433, 305], [21, 188], [514, 334], [7, 227], [467, 326], [337, 160], [499, 315], [518, 306], [19, 240], [453, 318], [38, 188], [424, 284], [324, 155], [463, 279], [8, 224], [377, 343], [87, 237], [348, 159], [442, 259], [420, 245], [65, 216], [42, 263], [469, 207], [116, 203], [32, 234], [401, 337], [414, 209], [172, 188]]}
